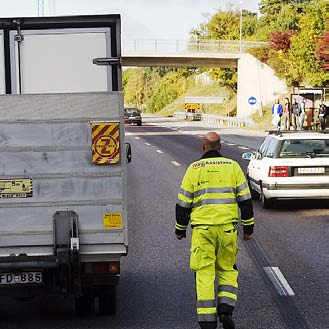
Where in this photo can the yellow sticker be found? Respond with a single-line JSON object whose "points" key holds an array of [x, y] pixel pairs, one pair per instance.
{"points": [[113, 220], [105, 142], [16, 188]]}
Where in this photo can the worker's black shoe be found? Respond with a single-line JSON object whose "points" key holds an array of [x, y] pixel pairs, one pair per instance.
{"points": [[227, 321], [208, 324]]}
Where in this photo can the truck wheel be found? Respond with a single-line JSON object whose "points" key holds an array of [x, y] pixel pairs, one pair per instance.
{"points": [[85, 305], [107, 300]]}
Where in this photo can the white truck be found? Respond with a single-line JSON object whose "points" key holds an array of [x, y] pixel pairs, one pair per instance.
{"points": [[63, 195]]}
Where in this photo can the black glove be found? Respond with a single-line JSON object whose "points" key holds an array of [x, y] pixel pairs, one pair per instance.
{"points": [[248, 229], [180, 234]]}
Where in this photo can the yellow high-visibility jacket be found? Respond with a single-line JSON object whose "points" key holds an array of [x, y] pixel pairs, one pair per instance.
{"points": [[213, 190]]}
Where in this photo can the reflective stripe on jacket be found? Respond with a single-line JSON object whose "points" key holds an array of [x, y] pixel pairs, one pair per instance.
{"points": [[211, 191]]}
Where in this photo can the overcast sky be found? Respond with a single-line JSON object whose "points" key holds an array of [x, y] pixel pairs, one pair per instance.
{"points": [[140, 19]]}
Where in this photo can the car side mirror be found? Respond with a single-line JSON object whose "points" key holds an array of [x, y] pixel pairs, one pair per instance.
{"points": [[128, 153]]}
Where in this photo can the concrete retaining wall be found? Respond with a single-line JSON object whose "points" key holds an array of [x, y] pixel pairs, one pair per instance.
{"points": [[257, 80]]}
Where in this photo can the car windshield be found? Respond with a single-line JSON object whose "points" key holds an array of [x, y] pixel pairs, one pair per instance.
{"points": [[305, 148], [131, 111]]}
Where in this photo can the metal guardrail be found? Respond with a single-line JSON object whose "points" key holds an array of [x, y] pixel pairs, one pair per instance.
{"points": [[181, 46], [221, 120]]}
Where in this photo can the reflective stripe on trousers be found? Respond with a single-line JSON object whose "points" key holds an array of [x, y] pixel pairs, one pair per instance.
{"points": [[214, 249]]}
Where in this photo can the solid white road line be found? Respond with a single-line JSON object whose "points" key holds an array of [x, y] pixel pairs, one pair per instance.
{"points": [[279, 281]]}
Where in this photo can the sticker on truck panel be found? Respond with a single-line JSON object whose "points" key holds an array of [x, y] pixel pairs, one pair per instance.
{"points": [[16, 188], [112, 220], [105, 139]]}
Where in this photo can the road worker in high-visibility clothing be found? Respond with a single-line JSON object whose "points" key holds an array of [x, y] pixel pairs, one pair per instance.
{"points": [[213, 192]]}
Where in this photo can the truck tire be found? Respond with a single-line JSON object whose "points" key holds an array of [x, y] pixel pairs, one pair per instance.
{"points": [[85, 305], [107, 300]]}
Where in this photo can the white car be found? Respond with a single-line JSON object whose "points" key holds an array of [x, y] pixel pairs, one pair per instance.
{"points": [[289, 165]]}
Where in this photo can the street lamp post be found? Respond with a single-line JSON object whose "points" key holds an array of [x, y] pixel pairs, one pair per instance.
{"points": [[241, 27]]}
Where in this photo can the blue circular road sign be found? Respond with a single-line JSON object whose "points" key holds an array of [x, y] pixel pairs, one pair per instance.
{"points": [[252, 100]]}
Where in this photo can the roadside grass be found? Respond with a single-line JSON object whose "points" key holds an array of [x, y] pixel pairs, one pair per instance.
{"points": [[263, 121], [209, 90]]}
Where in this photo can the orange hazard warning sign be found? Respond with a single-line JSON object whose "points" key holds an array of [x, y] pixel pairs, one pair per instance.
{"points": [[105, 140]]}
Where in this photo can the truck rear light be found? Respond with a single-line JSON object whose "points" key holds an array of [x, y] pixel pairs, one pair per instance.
{"points": [[278, 171], [114, 268], [102, 268]]}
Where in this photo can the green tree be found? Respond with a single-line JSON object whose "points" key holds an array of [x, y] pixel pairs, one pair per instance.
{"points": [[171, 86], [134, 87], [153, 88], [294, 28], [274, 7], [303, 63], [225, 25], [226, 78]]}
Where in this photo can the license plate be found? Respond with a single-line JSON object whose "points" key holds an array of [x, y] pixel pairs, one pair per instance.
{"points": [[314, 170], [21, 278]]}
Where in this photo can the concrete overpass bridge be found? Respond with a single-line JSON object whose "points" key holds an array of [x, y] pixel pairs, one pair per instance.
{"points": [[189, 53], [257, 83]]}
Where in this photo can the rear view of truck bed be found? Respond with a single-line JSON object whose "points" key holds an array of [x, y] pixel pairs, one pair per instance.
{"points": [[62, 194], [63, 216]]}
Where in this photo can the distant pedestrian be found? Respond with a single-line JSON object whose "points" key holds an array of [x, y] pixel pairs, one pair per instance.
{"points": [[301, 114], [322, 115], [277, 111], [295, 114], [285, 118]]}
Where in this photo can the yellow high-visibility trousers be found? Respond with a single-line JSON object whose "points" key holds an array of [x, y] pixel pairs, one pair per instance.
{"points": [[214, 249]]}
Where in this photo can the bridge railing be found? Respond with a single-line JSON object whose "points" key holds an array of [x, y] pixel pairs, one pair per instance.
{"points": [[221, 120], [181, 46]]}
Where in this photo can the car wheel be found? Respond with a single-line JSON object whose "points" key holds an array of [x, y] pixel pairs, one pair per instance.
{"points": [[139, 123], [266, 203], [254, 194]]}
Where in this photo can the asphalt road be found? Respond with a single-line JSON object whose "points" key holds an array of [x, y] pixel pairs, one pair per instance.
{"points": [[157, 288], [284, 271]]}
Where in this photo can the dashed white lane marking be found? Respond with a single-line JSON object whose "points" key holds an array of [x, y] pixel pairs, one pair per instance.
{"points": [[230, 144], [159, 151], [136, 137], [279, 281], [148, 144], [243, 147], [175, 163]]}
